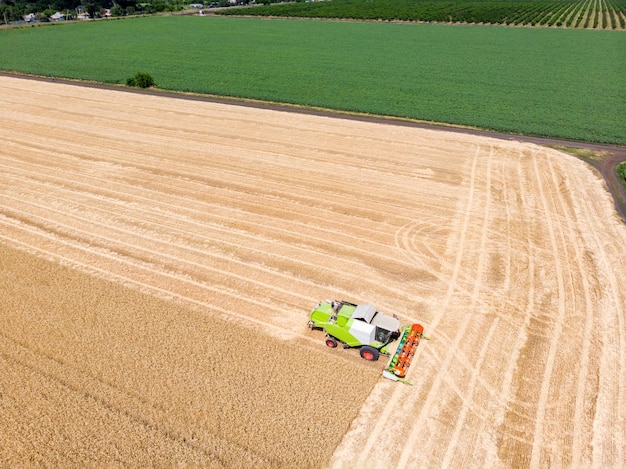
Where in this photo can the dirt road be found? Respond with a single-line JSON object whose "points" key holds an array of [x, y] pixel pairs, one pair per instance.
{"points": [[510, 254]]}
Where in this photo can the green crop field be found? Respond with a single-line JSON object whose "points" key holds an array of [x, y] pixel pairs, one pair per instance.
{"points": [[589, 14], [565, 83]]}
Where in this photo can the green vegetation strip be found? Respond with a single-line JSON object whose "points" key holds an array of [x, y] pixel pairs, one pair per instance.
{"points": [[621, 173], [547, 82]]}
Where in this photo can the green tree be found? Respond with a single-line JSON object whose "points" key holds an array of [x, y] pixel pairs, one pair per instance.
{"points": [[91, 9], [141, 80], [43, 16], [117, 10], [7, 13]]}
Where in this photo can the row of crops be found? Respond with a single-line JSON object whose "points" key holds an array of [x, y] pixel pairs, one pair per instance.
{"points": [[587, 14]]}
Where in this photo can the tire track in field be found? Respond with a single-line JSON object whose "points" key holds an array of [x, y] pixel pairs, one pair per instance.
{"points": [[490, 410], [579, 418], [559, 415], [236, 196], [303, 231], [104, 253], [516, 420], [406, 241], [94, 208], [522, 336], [412, 239], [153, 256], [426, 408], [180, 220], [66, 181], [555, 337], [146, 271], [109, 243], [240, 180], [390, 406], [467, 395], [602, 430], [508, 317], [227, 166], [179, 206], [154, 125]]}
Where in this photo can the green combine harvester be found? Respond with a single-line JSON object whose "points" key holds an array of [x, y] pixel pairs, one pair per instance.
{"points": [[372, 332]]}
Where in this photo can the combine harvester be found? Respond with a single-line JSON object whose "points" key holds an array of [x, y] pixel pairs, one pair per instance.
{"points": [[363, 327]]}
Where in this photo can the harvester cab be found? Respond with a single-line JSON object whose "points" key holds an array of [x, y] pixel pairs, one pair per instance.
{"points": [[355, 326], [371, 331]]}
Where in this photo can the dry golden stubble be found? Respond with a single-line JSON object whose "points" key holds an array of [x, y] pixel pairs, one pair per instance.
{"points": [[96, 373]]}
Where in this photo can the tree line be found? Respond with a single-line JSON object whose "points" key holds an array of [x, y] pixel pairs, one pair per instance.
{"points": [[16, 10]]}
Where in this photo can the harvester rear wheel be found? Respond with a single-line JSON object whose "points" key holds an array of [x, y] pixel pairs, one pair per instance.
{"points": [[369, 353], [331, 342]]}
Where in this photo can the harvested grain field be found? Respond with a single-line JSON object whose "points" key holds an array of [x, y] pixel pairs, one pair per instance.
{"points": [[160, 257]]}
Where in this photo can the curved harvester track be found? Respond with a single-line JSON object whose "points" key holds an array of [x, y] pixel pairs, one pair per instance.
{"points": [[510, 254]]}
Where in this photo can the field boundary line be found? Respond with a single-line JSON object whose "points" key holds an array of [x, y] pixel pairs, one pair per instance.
{"points": [[163, 293], [158, 254], [185, 278], [616, 346]]}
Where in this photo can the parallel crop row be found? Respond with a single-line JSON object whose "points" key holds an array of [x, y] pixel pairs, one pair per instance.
{"points": [[589, 14]]}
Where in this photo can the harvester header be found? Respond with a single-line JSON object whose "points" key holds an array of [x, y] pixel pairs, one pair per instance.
{"points": [[400, 361]]}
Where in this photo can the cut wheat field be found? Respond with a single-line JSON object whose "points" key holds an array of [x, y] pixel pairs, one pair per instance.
{"points": [[159, 258]]}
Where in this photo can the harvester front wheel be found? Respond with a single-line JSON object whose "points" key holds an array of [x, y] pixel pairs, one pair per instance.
{"points": [[331, 342], [369, 353]]}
